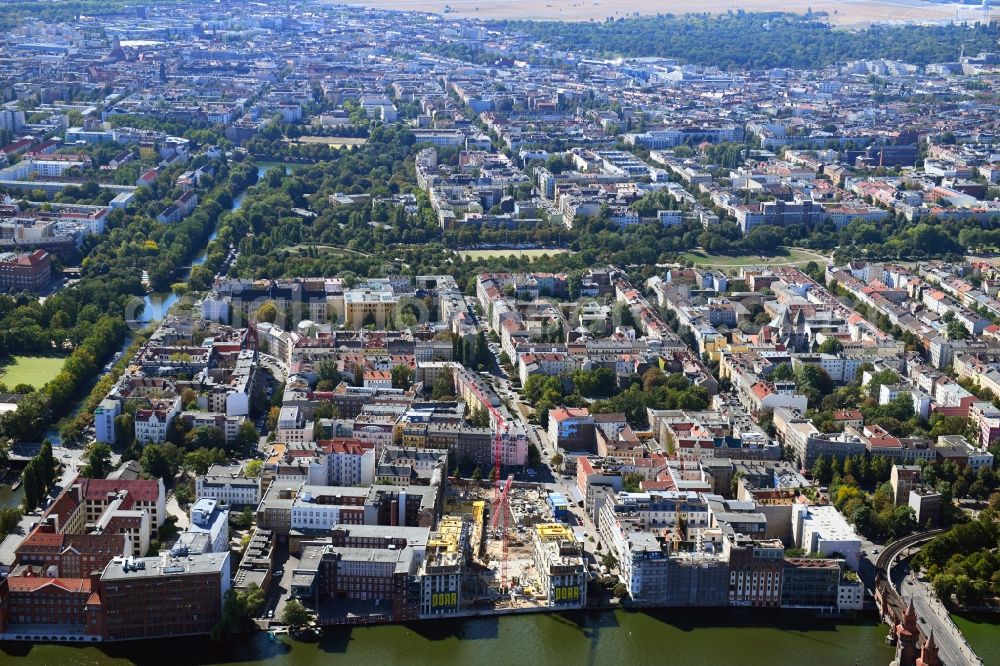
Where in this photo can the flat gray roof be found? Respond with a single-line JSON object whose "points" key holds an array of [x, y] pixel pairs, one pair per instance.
{"points": [[164, 566]]}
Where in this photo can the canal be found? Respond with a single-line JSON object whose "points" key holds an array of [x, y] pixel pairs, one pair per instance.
{"points": [[696, 637], [155, 308], [10, 499], [157, 304]]}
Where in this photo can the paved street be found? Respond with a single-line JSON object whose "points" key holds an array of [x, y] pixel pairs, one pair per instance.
{"points": [[866, 570], [70, 457], [934, 617]]}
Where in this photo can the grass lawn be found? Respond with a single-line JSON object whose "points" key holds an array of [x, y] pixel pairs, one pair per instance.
{"points": [[789, 256], [34, 370], [324, 249], [332, 141], [504, 252]]}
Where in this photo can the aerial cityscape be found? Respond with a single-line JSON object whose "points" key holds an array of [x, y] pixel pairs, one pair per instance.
{"points": [[512, 333]]}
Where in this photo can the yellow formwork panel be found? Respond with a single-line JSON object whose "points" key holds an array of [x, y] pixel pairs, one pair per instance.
{"points": [[554, 532]]}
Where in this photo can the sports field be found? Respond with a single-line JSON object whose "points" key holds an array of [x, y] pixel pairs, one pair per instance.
{"points": [[332, 141], [791, 257], [33, 370]]}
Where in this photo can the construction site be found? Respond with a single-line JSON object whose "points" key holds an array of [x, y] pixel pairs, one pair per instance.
{"points": [[523, 558]]}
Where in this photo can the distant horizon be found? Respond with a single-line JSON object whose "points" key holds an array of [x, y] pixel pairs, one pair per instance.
{"points": [[842, 13]]}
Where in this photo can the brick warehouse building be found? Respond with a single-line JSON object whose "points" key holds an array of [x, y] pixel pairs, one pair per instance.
{"points": [[63, 606], [164, 596], [131, 598], [72, 555], [25, 272]]}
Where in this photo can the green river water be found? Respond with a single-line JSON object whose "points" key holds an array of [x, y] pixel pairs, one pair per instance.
{"points": [[690, 638], [982, 631]]}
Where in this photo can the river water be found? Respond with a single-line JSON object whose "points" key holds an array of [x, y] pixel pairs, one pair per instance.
{"points": [[697, 637], [156, 305], [11, 498], [982, 631]]}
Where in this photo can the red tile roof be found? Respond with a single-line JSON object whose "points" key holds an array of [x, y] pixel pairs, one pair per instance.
{"points": [[563, 413], [142, 490], [35, 583], [39, 539], [345, 445]]}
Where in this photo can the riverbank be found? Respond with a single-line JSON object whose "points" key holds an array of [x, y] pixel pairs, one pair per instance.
{"points": [[694, 637]]}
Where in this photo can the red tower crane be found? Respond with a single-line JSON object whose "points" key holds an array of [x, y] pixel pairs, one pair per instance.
{"points": [[501, 518], [501, 492]]}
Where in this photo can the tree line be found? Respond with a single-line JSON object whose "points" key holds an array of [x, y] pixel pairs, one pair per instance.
{"points": [[37, 410], [39, 476], [740, 40], [964, 561]]}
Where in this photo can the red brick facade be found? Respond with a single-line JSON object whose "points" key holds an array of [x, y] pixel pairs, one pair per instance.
{"points": [[73, 555], [69, 603], [26, 272], [161, 606]]}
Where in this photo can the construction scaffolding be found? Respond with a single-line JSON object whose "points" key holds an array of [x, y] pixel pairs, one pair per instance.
{"points": [[508, 559]]}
